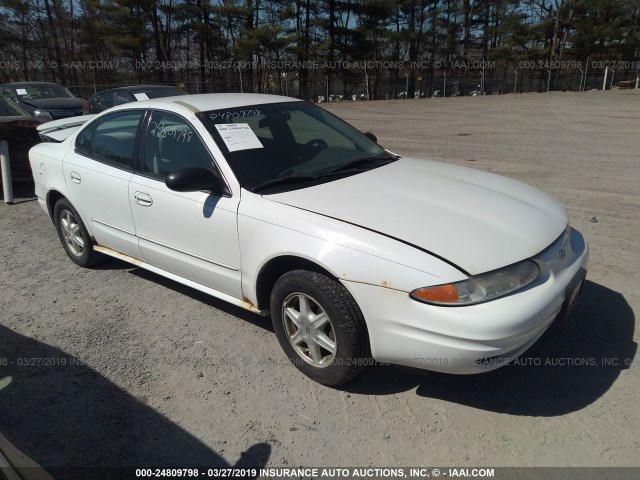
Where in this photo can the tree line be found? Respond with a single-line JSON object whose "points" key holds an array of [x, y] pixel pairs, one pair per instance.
{"points": [[372, 48]]}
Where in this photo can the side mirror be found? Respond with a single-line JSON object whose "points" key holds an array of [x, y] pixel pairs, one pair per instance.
{"points": [[371, 137], [197, 179]]}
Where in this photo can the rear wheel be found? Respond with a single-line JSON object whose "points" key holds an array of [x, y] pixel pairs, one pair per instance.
{"points": [[73, 235], [320, 327]]}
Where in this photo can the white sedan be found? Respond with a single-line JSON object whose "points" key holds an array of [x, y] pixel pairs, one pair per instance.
{"points": [[280, 207]]}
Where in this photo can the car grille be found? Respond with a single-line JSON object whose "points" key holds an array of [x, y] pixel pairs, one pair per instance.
{"points": [[55, 114]]}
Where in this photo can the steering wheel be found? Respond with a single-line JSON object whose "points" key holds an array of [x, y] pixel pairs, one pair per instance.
{"points": [[309, 147]]}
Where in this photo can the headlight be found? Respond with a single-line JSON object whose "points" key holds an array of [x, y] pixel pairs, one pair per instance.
{"points": [[42, 114], [480, 288]]}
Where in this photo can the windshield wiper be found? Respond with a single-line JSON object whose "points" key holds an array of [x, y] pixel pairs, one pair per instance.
{"points": [[360, 162], [284, 181], [341, 170], [291, 179]]}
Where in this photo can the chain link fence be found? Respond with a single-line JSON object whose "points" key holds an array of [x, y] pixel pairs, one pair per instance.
{"points": [[331, 85]]}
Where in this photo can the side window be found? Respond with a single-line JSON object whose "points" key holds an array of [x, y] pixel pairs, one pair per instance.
{"points": [[122, 98], [105, 99], [113, 139], [172, 144]]}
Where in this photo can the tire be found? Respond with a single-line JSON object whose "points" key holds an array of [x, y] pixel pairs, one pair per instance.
{"points": [[329, 342], [73, 235]]}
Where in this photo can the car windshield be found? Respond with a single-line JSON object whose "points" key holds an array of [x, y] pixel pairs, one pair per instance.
{"points": [[42, 91], [9, 109], [290, 143]]}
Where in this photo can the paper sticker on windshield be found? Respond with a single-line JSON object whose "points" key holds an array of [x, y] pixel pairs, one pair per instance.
{"points": [[141, 96], [21, 91], [238, 136]]}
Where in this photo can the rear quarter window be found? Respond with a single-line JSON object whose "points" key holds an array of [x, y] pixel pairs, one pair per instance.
{"points": [[83, 140]]}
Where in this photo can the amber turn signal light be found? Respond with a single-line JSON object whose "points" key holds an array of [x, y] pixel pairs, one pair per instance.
{"points": [[440, 294]]}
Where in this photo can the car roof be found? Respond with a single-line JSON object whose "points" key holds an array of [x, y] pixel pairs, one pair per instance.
{"points": [[207, 101], [136, 87], [17, 84]]}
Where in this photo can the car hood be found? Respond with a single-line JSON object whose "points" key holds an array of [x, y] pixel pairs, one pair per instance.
{"points": [[476, 220], [55, 103]]}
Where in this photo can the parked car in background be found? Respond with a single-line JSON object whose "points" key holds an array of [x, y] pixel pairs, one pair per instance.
{"points": [[18, 128], [281, 208], [118, 96], [47, 101]]}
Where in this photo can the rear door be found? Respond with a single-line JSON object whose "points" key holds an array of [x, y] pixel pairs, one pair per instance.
{"points": [[97, 174], [190, 234]]}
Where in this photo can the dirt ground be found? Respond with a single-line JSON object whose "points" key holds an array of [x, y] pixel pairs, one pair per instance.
{"points": [[137, 370]]}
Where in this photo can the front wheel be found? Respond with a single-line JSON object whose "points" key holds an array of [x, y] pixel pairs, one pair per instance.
{"points": [[73, 235], [320, 327]]}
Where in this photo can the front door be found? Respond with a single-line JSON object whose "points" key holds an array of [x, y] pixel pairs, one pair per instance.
{"points": [[190, 234]]}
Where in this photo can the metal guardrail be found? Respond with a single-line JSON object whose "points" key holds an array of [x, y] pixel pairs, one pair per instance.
{"points": [[7, 187]]}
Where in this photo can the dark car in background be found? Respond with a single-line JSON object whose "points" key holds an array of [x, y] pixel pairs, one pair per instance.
{"points": [[135, 93], [47, 101], [18, 128]]}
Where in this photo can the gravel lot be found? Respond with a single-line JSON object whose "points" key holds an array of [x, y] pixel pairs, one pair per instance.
{"points": [[143, 371]]}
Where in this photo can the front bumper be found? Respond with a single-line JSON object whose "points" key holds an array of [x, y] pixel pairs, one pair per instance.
{"points": [[476, 338]]}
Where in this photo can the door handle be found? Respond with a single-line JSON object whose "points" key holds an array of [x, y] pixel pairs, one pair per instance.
{"points": [[143, 199], [75, 177]]}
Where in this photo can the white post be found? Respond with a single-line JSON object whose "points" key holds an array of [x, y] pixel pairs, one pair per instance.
{"points": [[604, 82], [637, 79], [548, 80], [613, 75], [7, 187], [515, 84], [240, 72], [581, 75]]}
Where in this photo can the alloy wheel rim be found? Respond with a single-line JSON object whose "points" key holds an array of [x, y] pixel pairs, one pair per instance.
{"points": [[71, 233], [309, 330]]}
